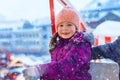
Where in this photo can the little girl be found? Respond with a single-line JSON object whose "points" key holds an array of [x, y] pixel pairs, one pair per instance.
{"points": [[70, 53]]}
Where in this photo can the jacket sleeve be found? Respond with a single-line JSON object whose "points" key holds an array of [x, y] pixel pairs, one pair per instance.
{"points": [[72, 62], [110, 50]]}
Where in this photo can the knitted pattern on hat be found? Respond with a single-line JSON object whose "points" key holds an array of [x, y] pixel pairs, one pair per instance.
{"points": [[67, 14]]}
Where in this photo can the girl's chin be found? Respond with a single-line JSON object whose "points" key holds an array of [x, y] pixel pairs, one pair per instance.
{"points": [[66, 37]]}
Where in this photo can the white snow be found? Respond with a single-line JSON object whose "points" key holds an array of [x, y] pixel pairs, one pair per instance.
{"points": [[108, 28]]}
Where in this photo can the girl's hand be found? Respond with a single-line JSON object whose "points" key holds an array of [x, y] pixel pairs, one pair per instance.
{"points": [[30, 73]]}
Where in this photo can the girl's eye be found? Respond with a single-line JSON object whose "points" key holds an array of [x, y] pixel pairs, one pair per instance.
{"points": [[69, 24], [60, 25]]}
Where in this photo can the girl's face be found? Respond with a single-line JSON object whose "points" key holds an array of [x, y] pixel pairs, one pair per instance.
{"points": [[66, 30]]}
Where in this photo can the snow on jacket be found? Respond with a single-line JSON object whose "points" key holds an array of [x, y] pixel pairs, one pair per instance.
{"points": [[70, 60], [110, 50]]}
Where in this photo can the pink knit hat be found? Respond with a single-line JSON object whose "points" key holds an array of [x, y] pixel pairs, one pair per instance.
{"points": [[68, 14]]}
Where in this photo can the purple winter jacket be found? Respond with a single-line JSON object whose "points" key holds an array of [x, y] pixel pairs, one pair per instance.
{"points": [[70, 60]]}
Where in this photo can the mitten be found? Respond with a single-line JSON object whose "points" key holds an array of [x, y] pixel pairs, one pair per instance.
{"points": [[89, 37], [31, 72]]}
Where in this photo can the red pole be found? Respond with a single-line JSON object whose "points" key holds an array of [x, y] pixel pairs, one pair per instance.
{"points": [[63, 2], [107, 39], [96, 41], [51, 3]]}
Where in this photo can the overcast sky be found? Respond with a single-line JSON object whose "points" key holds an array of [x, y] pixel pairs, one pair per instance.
{"points": [[32, 9]]}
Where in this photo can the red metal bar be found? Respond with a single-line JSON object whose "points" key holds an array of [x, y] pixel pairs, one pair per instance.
{"points": [[96, 41], [51, 3], [107, 39], [63, 2]]}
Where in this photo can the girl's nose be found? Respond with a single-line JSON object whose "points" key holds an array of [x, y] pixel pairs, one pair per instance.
{"points": [[64, 27]]}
